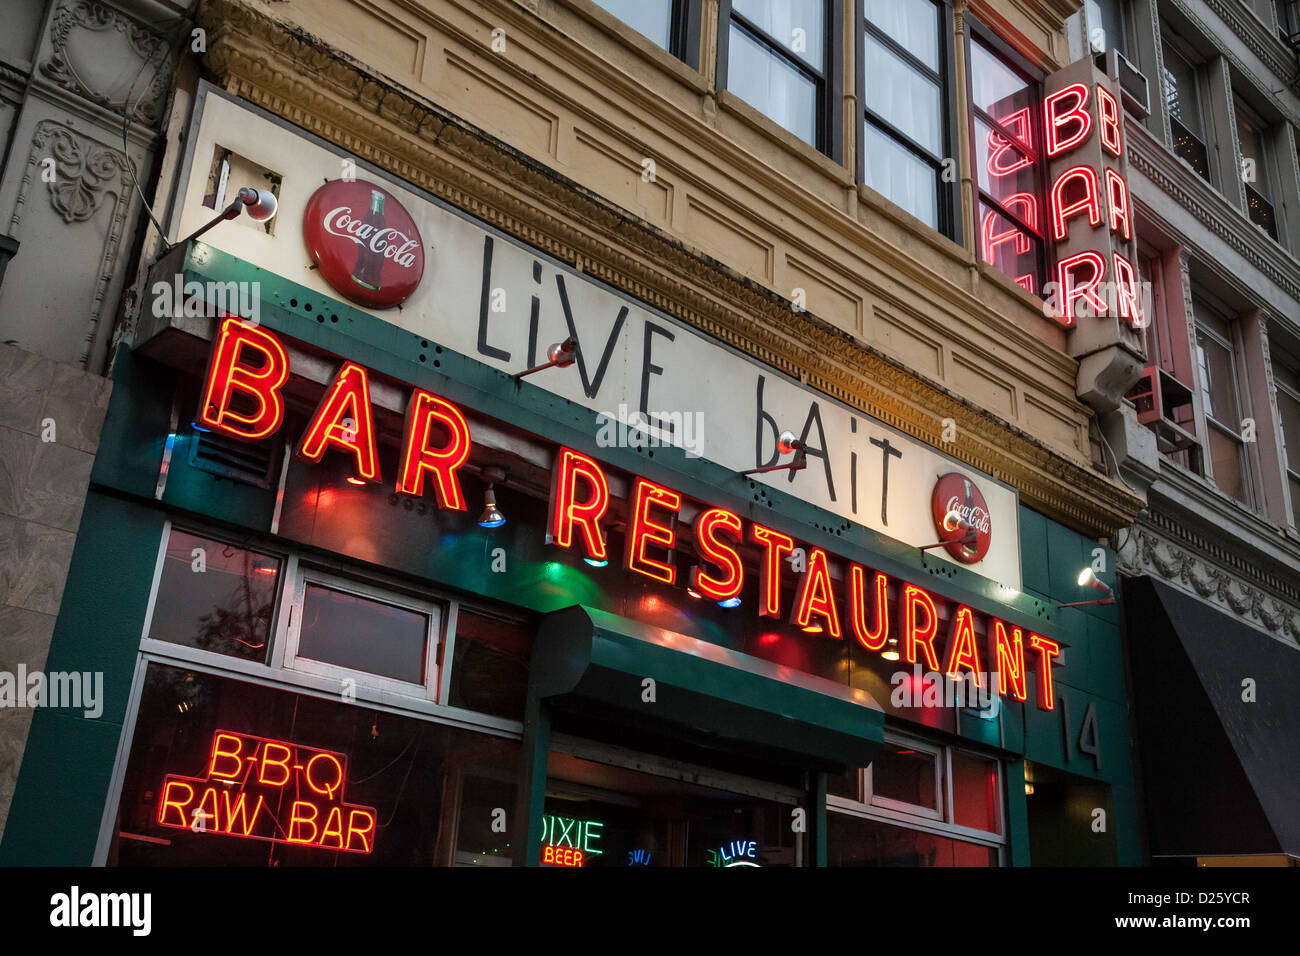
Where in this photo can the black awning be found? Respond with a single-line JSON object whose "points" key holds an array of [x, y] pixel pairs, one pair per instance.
{"points": [[1221, 774]]}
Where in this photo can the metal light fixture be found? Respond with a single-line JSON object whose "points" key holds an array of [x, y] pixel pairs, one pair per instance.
{"points": [[1087, 578], [260, 204], [729, 602], [786, 444], [953, 521], [491, 516], [559, 355], [890, 653]]}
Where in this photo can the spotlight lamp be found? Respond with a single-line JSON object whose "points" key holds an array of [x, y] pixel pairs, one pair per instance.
{"points": [[786, 445], [559, 355], [952, 522], [890, 653], [1088, 578], [491, 516], [260, 204]]}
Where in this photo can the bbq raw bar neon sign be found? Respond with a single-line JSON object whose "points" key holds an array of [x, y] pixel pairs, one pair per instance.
{"points": [[255, 788], [579, 500]]}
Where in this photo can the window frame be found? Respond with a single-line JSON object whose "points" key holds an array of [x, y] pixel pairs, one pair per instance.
{"points": [[1171, 42], [1203, 303], [977, 31], [1244, 112], [829, 83], [1290, 457], [684, 29], [950, 221]]}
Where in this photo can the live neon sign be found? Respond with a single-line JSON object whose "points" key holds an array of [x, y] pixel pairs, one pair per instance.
{"points": [[251, 362], [256, 788]]}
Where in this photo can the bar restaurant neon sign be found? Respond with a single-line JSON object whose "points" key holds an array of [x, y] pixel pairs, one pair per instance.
{"points": [[579, 500], [256, 788]]}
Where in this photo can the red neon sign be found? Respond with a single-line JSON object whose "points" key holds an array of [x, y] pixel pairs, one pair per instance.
{"points": [[561, 856], [645, 530], [417, 457], [1072, 287], [568, 509], [963, 651], [816, 595], [1088, 202], [255, 788], [871, 638], [916, 635], [1047, 650], [774, 545], [1067, 109], [1010, 660], [342, 420], [707, 527], [1108, 121], [228, 375]]}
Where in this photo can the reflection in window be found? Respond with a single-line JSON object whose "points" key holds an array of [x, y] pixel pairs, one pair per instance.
{"points": [[1008, 166], [1254, 169], [490, 665], [905, 135], [1183, 101], [905, 775], [215, 597], [854, 841], [1220, 401], [363, 634], [776, 62], [653, 18]]}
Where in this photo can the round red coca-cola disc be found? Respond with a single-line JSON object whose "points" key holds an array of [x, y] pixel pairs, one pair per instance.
{"points": [[955, 492], [364, 242]]}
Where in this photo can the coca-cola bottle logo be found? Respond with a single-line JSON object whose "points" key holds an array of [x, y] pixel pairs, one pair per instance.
{"points": [[364, 242], [961, 517]]}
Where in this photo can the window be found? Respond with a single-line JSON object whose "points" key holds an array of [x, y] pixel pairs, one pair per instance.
{"points": [[907, 133], [1217, 374], [348, 630], [1184, 93], [672, 24], [1004, 136], [216, 597], [1286, 381], [1106, 16], [779, 58], [918, 804], [1251, 135]]}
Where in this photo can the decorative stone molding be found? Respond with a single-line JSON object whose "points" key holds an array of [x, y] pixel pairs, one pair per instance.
{"points": [[90, 17], [1146, 550], [298, 77], [86, 174], [1271, 51]]}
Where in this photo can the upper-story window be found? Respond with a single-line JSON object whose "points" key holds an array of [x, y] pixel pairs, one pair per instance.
{"points": [[1005, 141], [907, 129], [673, 24], [778, 57], [1252, 135], [1185, 95], [1286, 382], [1106, 25], [1216, 364]]}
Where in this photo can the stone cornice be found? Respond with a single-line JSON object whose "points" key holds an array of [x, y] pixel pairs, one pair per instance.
{"points": [[1272, 52], [284, 70], [1235, 22]]}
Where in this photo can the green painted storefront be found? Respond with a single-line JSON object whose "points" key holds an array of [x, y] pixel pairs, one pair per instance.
{"points": [[67, 774]]}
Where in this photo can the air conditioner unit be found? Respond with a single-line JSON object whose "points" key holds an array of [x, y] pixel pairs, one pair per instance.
{"points": [[1133, 84], [1164, 405]]}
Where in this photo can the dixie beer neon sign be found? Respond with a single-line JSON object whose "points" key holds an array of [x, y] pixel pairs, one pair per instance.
{"points": [[256, 788], [580, 499]]}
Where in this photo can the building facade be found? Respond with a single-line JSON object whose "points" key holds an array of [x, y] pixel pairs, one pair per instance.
{"points": [[448, 516]]}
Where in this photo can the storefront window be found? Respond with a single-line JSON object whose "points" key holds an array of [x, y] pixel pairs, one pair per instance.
{"points": [[976, 792], [855, 841], [215, 596], [232, 773], [363, 634], [1005, 137], [490, 665], [904, 775]]}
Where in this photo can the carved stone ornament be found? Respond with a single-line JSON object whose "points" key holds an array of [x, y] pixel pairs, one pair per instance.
{"points": [[84, 171], [91, 43], [1145, 552]]}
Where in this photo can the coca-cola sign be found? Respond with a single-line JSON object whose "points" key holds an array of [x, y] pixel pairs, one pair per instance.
{"points": [[364, 242], [961, 516]]}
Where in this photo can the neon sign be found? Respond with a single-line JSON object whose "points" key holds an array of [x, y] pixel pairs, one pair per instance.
{"points": [[567, 833], [255, 788], [735, 853], [816, 608]]}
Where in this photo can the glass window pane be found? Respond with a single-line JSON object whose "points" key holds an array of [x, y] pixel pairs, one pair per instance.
{"points": [[1013, 251], [774, 87], [650, 17], [1225, 460], [905, 775], [1254, 168], [903, 97], [416, 787], [798, 25], [1181, 95], [901, 176], [1106, 15], [912, 24], [363, 634], [996, 88], [215, 597], [1218, 388], [490, 665], [1294, 482], [854, 841], [976, 796], [1004, 170], [1288, 408]]}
